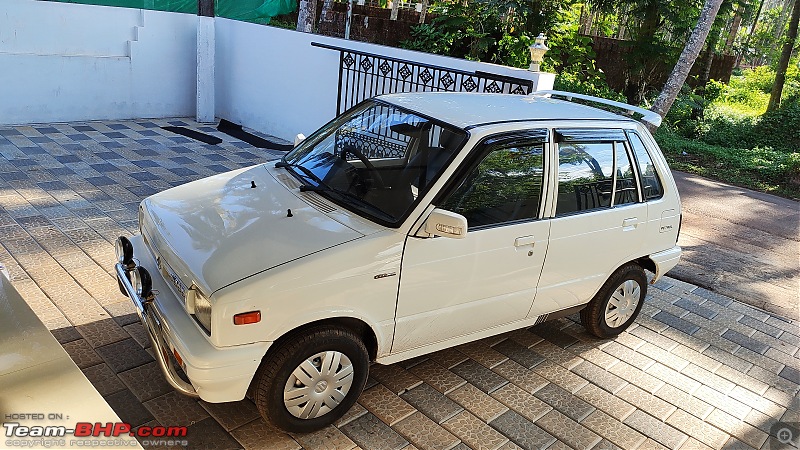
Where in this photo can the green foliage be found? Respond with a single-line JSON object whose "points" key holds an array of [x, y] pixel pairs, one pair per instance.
{"points": [[571, 82]]}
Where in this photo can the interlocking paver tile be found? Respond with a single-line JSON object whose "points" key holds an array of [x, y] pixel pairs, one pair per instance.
{"points": [[385, 405], [599, 376], [482, 353], [258, 435], [567, 430], [521, 431], [646, 401], [394, 377], [82, 353], [437, 376], [353, 413], [128, 408], [613, 430], [124, 355], [425, 434], [176, 409], [745, 341], [211, 435], [369, 432], [605, 401], [478, 402], [698, 429], [448, 357], [738, 428], [519, 353], [559, 375], [522, 402], [477, 374], [556, 354], [146, 381], [520, 376], [432, 403], [103, 379], [655, 429], [474, 432], [564, 401]]}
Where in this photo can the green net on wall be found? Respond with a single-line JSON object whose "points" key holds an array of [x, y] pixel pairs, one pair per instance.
{"points": [[257, 11]]}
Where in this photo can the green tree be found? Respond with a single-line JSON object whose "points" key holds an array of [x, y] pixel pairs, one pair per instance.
{"points": [[783, 64]]}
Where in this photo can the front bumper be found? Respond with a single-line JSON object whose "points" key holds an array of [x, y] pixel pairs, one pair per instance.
{"points": [[215, 374]]}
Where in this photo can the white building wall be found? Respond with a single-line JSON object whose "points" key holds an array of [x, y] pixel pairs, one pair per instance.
{"points": [[68, 62], [272, 79]]}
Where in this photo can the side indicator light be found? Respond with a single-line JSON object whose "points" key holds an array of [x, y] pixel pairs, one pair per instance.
{"points": [[178, 357], [246, 318]]}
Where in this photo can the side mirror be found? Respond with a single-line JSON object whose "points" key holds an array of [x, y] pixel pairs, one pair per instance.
{"points": [[299, 138], [446, 224]]}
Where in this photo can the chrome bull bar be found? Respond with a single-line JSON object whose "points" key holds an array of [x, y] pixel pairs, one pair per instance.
{"points": [[151, 319]]}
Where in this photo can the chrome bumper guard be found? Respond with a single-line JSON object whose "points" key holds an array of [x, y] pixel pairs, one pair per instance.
{"points": [[151, 320]]}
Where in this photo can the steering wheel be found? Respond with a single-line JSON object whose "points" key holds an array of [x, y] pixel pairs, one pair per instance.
{"points": [[374, 173]]}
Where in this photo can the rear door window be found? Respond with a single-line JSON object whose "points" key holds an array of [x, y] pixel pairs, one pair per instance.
{"points": [[651, 183]]}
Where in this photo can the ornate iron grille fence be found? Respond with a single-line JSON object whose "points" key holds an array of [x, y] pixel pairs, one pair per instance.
{"points": [[364, 75]]}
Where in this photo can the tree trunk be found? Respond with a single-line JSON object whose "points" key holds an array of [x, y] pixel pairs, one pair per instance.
{"points": [[750, 35], [306, 15], [737, 22], [395, 9], [693, 46], [424, 11], [327, 11], [708, 58], [783, 64]]}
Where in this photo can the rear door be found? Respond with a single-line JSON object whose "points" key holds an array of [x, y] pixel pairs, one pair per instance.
{"points": [[599, 217]]}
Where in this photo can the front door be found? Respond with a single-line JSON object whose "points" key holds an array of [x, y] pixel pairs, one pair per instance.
{"points": [[454, 287]]}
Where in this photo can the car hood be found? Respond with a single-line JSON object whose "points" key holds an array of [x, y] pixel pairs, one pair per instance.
{"points": [[219, 230]]}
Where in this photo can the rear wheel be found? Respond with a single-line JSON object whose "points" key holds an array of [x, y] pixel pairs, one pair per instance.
{"points": [[311, 379], [617, 303]]}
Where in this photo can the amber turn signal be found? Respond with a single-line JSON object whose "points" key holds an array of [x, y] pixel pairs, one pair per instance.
{"points": [[248, 317]]}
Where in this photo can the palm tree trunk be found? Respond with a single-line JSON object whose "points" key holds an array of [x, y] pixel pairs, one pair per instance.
{"points": [[693, 46], [306, 16], [734, 30], [783, 64]]}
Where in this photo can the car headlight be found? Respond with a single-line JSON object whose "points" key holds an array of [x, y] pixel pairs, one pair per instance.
{"points": [[202, 311], [124, 251], [141, 282]]}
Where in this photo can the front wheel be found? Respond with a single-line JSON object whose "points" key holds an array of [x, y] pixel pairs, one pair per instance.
{"points": [[617, 303], [311, 379]]}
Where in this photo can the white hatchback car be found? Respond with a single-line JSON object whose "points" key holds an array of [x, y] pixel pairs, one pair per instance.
{"points": [[411, 223]]}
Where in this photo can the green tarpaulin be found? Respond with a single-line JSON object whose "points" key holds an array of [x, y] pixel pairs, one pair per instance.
{"points": [[258, 11]]}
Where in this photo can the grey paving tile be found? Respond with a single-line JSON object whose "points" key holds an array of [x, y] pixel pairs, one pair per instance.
{"points": [[424, 433], [437, 376], [232, 415], [369, 432], [124, 355], [549, 332], [258, 435], [523, 378], [791, 374], [483, 378], [676, 322], [210, 435], [478, 402], [599, 376], [431, 402], [657, 430], [103, 379], [521, 431], [564, 401], [568, 431], [82, 353], [146, 381], [128, 408], [745, 341], [519, 353], [522, 402]]}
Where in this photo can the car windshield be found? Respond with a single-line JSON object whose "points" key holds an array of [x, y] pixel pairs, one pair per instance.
{"points": [[376, 160]]}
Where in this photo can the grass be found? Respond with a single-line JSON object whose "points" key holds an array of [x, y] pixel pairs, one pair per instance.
{"points": [[761, 168]]}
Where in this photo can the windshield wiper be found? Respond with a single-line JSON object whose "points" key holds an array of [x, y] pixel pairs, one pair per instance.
{"points": [[321, 186]]}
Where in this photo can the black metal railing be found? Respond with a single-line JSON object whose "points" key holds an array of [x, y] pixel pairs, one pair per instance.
{"points": [[364, 75]]}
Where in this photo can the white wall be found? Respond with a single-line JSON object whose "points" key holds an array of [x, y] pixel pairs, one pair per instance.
{"points": [[274, 81], [69, 62]]}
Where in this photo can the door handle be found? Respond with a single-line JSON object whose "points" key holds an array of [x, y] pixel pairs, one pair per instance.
{"points": [[630, 223], [524, 240]]}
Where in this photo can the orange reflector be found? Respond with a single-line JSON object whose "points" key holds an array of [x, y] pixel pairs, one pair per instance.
{"points": [[177, 357], [248, 317]]}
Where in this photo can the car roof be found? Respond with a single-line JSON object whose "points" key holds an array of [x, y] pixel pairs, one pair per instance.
{"points": [[469, 110]]}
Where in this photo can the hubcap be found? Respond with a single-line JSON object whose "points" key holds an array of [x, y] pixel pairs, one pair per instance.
{"points": [[318, 385], [623, 303]]}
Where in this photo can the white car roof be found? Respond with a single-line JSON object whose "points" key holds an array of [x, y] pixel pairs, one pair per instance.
{"points": [[466, 110]]}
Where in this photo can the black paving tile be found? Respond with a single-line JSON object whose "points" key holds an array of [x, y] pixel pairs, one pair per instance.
{"points": [[561, 399], [128, 408], [47, 130], [111, 144], [208, 434], [66, 159], [61, 171], [108, 156], [700, 310], [676, 322], [143, 176], [549, 332], [752, 322], [124, 355], [521, 431], [79, 137], [101, 181], [370, 432], [145, 163], [519, 353], [791, 374], [432, 403], [183, 172], [147, 133], [216, 157], [745, 341], [115, 135], [104, 167], [483, 378], [83, 128]]}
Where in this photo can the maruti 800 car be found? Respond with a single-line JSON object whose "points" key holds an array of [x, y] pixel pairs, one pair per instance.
{"points": [[408, 224]]}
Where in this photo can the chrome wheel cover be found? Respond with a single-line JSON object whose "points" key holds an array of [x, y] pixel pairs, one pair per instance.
{"points": [[318, 385], [623, 303]]}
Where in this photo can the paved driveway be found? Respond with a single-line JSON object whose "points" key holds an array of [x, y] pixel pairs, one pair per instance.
{"points": [[697, 369]]}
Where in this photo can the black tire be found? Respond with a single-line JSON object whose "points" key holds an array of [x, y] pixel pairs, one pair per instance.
{"points": [[278, 366], [593, 316]]}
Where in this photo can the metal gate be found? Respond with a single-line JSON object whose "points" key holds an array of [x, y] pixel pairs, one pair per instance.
{"points": [[363, 75]]}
